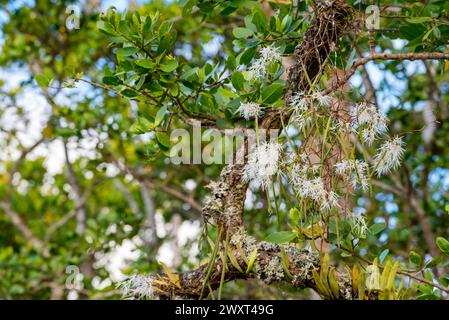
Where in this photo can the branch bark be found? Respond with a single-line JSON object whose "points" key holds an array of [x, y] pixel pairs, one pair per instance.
{"points": [[386, 56]]}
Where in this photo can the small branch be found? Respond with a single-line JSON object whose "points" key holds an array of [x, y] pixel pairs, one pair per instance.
{"points": [[435, 91], [149, 223], [131, 201], [101, 86], [72, 213], [173, 192], [15, 218], [21, 225], [80, 205], [388, 187], [155, 186], [19, 161], [386, 56]]}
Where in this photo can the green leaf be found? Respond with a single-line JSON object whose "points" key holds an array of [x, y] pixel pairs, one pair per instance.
{"points": [[427, 297], [272, 93], [112, 81], [259, 19], [281, 237], [434, 262], [377, 228], [295, 215], [418, 19], [42, 80], [251, 259], [160, 115], [169, 65], [163, 139], [443, 245], [125, 28], [187, 7], [141, 126], [207, 100], [144, 63], [129, 93], [237, 80], [147, 26], [240, 33], [227, 11], [414, 258], [383, 255], [231, 63], [246, 56], [126, 52], [106, 27]]}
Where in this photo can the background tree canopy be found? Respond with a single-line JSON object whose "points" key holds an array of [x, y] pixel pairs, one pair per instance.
{"points": [[350, 201]]}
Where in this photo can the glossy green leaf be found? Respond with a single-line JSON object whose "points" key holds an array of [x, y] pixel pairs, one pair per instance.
{"points": [[169, 65], [281, 237], [377, 228], [443, 245], [272, 93], [242, 33], [414, 258], [127, 51], [144, 63]]}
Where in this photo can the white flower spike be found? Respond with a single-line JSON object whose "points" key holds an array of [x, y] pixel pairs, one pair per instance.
{"points": [[138, 286], [262, 164], [372, 122], [389, 156], [268, 55], [250, 110]]}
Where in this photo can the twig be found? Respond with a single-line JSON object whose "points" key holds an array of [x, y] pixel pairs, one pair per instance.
{"points": [[386, 56]]}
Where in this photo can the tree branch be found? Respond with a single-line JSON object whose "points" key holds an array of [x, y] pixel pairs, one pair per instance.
{"points": [[386, 56], [15, 218], [80, 205], [129, 198], [18, 222], [155, 186]]}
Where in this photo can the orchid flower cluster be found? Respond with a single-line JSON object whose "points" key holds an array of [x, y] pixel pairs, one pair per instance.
{"points": [[320, 165], [268, 56], [303, 106], [250, 110], [325, 166], [263, 163], [258, 69], [138, 285]]}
